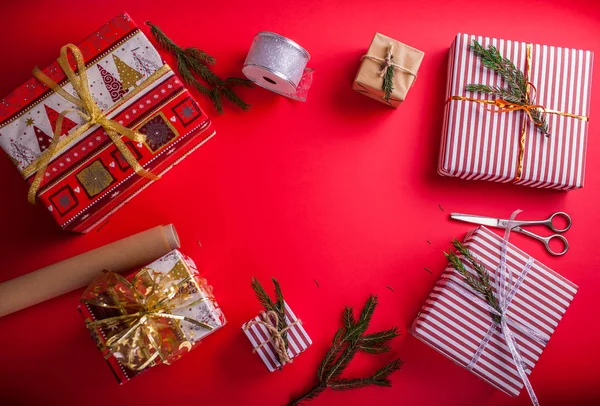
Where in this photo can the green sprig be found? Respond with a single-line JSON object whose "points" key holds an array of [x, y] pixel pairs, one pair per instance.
{"points": [[516, 91], [193, 61], [388, 83], [480, 282], [348, 341], [278, 306]]}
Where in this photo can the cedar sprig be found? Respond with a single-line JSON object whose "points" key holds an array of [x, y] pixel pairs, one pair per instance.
{"points": [[516, 90], [348, 341], [480, 281], [193, 61], [277, 306], [388, 83]]}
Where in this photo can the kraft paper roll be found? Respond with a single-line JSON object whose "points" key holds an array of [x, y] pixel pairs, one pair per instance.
{"points": [[76, 272]]}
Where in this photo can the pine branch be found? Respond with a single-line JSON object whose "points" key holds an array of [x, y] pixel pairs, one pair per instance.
{"points": [[388, 83], [517, 91], [261, 295], [480, 282], [278, 306], [347, 342], [280, 310], [192, 61]]}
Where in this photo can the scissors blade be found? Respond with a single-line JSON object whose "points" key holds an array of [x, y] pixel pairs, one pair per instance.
{"points": [[471, 218]]}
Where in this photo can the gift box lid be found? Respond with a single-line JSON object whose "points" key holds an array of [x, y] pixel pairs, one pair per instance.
{"points": [[118, 57], [478, 144], [456, 326]]}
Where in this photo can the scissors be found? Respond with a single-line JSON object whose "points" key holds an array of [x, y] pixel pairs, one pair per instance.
{"points": [[517, 226]]}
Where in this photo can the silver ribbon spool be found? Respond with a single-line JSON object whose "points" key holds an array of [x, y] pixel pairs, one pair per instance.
{"points": [[278, 64]]}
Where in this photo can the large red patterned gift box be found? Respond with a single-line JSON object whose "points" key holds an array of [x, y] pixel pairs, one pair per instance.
{"points": [[89, 176], [153, 317], [501, 348], [487, 137]]}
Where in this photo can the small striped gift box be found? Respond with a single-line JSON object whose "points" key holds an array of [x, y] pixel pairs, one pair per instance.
{"points": [[298, 339], [456, 325], [507, 147]]}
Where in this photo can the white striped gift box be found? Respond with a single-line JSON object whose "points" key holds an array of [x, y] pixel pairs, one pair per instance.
{"points": [[478, 144], [298, 340], [455, 325]]}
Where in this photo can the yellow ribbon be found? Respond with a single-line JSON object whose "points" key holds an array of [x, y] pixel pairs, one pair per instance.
{"points": [[89, 111], [144, 332], [504, 106]]}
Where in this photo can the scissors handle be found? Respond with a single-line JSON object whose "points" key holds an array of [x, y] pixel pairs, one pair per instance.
{"points": [[546, 240], [550, 222]]}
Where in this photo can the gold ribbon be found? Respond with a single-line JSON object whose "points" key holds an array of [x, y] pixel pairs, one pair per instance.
{"points": [[270, 320], [144, 332], [89, 111], [504, 106]]}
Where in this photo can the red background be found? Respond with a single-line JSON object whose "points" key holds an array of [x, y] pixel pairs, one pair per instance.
{"points": [[340, 189]]}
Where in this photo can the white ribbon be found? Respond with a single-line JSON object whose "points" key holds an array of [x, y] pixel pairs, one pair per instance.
{"points": [[505, 292]]}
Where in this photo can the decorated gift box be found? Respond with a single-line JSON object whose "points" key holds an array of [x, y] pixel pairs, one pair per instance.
{"points": [[153, 317], [516, 112], [119, 118], [388, 70], [276, 334], [494, 310]]}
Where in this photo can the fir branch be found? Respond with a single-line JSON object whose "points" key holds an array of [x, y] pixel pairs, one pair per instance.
{"points": [[192, 61], [517, 91], [388, 83], [278, 306], [480, 282], [261, 295], [347, 342]]}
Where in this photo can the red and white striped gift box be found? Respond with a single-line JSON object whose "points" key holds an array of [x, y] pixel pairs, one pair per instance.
{"points": [[455, 325], [298, 339], [478, 144]]}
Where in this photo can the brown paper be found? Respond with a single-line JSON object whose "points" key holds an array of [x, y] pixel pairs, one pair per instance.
{"points": [[368, 80], [76, 272]]}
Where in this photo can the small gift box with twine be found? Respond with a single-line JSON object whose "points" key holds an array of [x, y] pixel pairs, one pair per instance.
{"points": [[388, 70], [276, 334], [153, 317]]}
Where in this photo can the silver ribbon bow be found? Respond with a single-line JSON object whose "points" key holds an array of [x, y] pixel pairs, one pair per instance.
{"points": [[506, 288]]}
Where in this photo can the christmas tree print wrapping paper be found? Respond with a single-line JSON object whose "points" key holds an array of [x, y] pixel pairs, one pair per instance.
{"points": [[457, 326], [198, 304], [261, 340], [480, 144], [89, 180]]}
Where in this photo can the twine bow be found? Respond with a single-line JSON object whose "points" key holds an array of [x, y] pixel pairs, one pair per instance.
{"points": [[506, 288], [270, 320], [389, 61], [89, 111], [144, 332]]}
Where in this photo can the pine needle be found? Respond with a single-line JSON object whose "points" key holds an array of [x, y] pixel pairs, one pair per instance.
{"points": [[388, 83], [192, 61], [347, 342], [480, 282], [516, 91], [278, 306]]}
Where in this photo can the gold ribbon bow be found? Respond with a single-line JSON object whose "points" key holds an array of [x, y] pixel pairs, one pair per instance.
{"points": [[270, 320], [89, 111], [146, 330], [504, 106]]}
